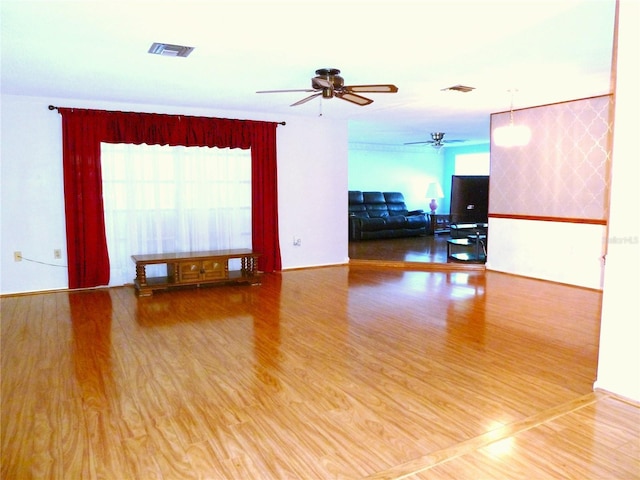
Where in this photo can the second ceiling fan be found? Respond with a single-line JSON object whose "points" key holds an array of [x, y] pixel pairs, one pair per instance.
{"points": [[328, 83], [437, 140]]}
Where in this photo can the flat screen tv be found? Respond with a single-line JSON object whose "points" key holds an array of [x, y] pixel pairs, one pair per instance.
{"points": [[469, 198]]}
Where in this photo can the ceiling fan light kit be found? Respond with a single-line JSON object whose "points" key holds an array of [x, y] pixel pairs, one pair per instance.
{"points": [[328, 83]]}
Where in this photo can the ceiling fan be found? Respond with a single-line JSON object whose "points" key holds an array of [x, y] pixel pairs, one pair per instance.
{"points": [[328, 83], [437, 140]]}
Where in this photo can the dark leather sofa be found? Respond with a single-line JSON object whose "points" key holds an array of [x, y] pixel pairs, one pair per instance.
{"points": [[383, 215]]}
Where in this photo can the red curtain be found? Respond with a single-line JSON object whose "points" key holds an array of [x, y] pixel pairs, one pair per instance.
{"points": [[83, 130], [87, 255], [264, 197]]}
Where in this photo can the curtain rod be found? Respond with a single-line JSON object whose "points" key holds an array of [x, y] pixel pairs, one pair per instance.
{"points": [[53, 107]]}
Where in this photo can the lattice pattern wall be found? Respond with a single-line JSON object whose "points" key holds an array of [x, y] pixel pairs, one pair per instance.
{"points": [[564, 171]]}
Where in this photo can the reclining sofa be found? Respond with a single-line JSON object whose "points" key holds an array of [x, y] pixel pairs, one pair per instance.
{"points": [[375, 215]]}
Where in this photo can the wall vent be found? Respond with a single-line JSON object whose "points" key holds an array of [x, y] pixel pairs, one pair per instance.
{"points": [[169, 50]]}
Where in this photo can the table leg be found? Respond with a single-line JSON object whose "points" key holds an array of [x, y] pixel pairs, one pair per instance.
{"points": [[248, 265], [141, 274]]}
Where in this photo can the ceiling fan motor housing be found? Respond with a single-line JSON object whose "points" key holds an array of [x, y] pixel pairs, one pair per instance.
{"points": [[325, 75]]}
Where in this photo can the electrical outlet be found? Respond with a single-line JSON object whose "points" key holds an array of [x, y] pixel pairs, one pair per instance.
{"points": [[17, 256], [57, 253], [297, 242]]}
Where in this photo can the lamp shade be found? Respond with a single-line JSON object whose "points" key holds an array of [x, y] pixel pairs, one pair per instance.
{"points": [[434, 190]]}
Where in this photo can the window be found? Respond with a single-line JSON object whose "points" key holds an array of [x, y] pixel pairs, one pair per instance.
{"points": [[472, 164], [160, 199]]}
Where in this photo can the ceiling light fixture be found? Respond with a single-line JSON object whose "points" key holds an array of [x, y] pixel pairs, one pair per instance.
{"points": [[511, 135], [169, 50], [437, 139]]}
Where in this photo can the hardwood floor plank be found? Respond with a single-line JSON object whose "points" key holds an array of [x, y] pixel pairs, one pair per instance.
{"points": [[19, 335], [569, 445], [205, 460], [494, 436], [333, 372]]}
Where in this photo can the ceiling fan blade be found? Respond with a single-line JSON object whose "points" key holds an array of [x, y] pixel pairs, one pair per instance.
{"points": [[353, 98], [284, 91], [419, 143], [306, 99], [383, 88]]}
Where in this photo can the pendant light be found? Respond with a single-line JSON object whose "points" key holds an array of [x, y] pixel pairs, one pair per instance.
{"points": [[511, 135]]}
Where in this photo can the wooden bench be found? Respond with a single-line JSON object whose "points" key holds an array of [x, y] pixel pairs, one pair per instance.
{"points": [[195, 268]]}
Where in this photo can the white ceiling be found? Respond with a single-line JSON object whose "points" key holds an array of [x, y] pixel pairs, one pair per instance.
{"points": [[548, 51]]}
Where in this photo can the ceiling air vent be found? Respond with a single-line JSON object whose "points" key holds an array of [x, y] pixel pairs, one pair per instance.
{"points": [[459, 88], [169, 50]]}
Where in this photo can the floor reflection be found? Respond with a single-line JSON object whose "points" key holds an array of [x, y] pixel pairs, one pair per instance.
{"points": [[91, 314], [429, 249]]}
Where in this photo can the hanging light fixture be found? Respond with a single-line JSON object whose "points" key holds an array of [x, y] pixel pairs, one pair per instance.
{"points": [[511, 135]]}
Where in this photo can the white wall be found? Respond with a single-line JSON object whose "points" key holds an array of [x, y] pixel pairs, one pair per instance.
{"points": [[312, 188], [312, 195], [388, 168], [32, 220], [560, 252], [619, 360]]}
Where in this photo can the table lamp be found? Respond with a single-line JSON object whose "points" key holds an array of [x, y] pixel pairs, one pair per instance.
{"points": [[434, 191]]}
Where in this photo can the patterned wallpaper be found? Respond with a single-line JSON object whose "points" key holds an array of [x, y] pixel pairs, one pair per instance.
{"points": [[564, 170]]}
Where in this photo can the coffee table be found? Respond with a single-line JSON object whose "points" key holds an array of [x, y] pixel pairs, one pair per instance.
{"points": [[467, 249]]}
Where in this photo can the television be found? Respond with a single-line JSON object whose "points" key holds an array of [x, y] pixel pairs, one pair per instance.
{"points": [[469, 198]]}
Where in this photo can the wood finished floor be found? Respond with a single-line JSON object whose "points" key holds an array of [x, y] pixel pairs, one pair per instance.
{"points": [[429, 249], [338, 372]]}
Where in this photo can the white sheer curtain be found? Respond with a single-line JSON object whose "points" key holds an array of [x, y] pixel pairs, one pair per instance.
{"points": [[160, 199]]}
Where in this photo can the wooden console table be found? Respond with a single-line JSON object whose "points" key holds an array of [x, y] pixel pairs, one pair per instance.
{"points": [[195, 268]]}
